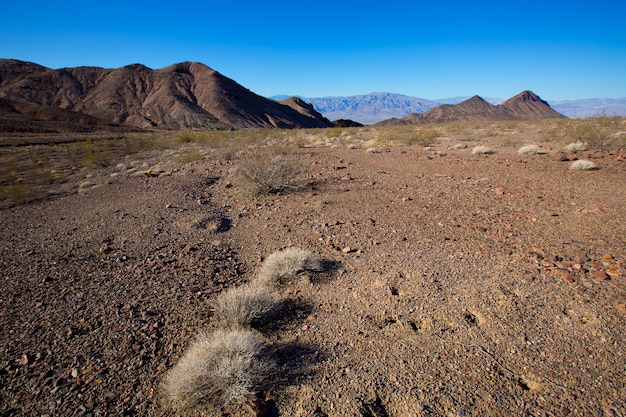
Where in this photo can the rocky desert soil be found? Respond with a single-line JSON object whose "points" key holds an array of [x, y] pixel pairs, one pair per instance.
{"points": [[457, 284]]}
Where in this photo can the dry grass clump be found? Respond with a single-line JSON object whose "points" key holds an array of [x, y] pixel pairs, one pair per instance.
{"points": [[576, 146], [280, 267], [227, 367], [242, 306], [266, 170], [219, 369], [583, 165], [482, 150], [528, 150]]}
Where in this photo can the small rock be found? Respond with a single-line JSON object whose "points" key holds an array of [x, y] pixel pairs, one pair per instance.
{"points": [[568, 276], [609, 412], [599, 275], [347, 249], [24, 360], [500, 190]]}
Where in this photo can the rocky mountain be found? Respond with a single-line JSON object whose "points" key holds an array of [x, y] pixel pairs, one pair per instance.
{"points": [[523, 106], [187, 95]]}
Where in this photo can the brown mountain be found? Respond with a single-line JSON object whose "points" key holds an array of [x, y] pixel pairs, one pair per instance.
{"points": [[188, 95], [524, 106]]}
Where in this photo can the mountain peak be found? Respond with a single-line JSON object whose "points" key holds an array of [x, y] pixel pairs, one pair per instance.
{"points": [[525, 96], [187, 95]]}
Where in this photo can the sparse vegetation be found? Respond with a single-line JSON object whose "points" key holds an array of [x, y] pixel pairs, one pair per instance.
{"points": [[228, 366], [482, 150], [242, 306], [597, 133], [191, 155], [528, 150], [219, 369], [576, 147], [409, 135], [266, 170], [583, 165], [282, 266]]}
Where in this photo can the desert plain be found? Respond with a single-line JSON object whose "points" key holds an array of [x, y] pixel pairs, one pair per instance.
{"points": [[456, 283]]}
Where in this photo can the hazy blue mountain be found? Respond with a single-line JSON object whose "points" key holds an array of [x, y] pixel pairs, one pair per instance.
{"points": [[590, 107], [369, 108], [375, 107]]}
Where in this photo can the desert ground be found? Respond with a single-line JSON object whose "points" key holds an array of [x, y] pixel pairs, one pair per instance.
{"points": [[455, 283]]}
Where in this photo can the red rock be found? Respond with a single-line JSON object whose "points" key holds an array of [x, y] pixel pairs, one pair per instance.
{"points": [[500, 190], [567, 276], [599, 275]]}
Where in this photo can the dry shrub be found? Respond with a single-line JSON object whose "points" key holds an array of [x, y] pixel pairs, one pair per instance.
{"points": [[528, 150], [242, 306], [576, 146], [583, 165], [279, 267], [482, 150], [266, 170], [219, 369]]}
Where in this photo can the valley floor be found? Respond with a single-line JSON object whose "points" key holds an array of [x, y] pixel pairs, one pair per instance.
{"points": [[458, 285]]}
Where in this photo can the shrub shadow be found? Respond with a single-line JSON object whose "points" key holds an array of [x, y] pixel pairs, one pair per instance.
{"points": [[327, 272]]}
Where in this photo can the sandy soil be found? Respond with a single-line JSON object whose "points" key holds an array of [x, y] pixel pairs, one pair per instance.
{"points": [[461, 285]]}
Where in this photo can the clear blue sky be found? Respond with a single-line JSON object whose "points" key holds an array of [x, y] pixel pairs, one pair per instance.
{"points": [[558, 49]]}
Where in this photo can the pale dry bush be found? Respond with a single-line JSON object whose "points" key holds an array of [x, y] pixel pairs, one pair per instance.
{"points": [[528, 150], [242, 306], [279, 267], [482, 150], [576, 146], [266, 170], [583, 165], [219, 369]]}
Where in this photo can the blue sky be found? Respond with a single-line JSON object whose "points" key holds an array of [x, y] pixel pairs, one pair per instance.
{"points": [[558, 49]]}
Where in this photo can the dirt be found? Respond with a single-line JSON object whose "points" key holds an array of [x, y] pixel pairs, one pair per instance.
{"points": [[457, 285]]}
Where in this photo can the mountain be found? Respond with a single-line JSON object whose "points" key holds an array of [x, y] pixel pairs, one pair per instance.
{"points": [[591, 107], [187, 95], [524, 106], [369, 108]]}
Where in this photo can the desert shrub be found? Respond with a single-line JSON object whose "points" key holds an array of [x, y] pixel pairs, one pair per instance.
{"points": [[266, 170], [408, 136], [372, 150], [189, 155], [528, 150], [582, 165], [243, 305], [279, 267], [482, 150], [600, 133], [219, 369], [576, 146]]}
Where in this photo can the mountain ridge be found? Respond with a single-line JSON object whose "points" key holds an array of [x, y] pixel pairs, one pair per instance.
{"points": [[358, 109], [187, 95], [525, 105]]}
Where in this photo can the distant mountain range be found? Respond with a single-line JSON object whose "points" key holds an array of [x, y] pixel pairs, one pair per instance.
{"points": [[187, 95], [524, 106], [376, 107], [190, 95]]}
